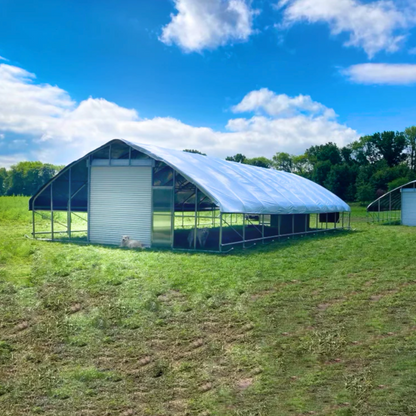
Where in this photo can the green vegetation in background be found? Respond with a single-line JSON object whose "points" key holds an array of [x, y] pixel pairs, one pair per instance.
{"points": [[26, 178], [319, 325], [361, 171]]}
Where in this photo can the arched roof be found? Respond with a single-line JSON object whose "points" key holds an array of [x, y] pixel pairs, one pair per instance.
{"points": [[240, 188], [237, 187], [391, 201]]}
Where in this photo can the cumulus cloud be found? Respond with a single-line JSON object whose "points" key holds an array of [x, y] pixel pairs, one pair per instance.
{"points": [[281, 105], [8, 160], [374, 26], [207, 24], [59, 130], [390, 74]]}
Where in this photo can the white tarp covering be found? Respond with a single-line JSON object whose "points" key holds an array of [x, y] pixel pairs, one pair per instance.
{"points": [[239, 188]]}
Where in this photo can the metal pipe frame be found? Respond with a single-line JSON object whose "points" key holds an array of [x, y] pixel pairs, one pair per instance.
{"points": [[220, 236], [196, 216], [173, 208], [244, 230], [60, 232], [69, 219], [52, 210], [282, 235]]}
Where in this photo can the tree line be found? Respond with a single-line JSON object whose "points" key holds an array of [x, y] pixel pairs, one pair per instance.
{"points": [[25, 178], [360, 171]]}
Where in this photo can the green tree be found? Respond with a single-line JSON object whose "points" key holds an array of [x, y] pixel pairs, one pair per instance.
{"points": [[26, 178], [364, 151], [396, 183], [324, 153], [283, 161], [390, 146], [341, 180], [3, 176], [301, 165], [194, 151], [261, 162], [239, 158], [410, 136]]}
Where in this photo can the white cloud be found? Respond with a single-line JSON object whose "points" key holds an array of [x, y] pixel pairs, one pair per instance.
{"points": [[8, 160], [2, 136], [374, 26], [59, 130], [3, 59], [391, 74], [281, 105], [207, 24]]}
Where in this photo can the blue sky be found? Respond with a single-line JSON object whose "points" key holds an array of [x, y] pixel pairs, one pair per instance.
{"points": [[223, 76]]}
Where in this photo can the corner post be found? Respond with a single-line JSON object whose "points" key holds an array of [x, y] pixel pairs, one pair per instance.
{"points": [[244, 230], [293, 224], [69, 219], [52, 211], [173, 208], [33, 221], [220, 236], [196, 216]]}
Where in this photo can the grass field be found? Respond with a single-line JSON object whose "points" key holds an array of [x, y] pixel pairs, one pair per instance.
{"points": [[320, 325]]}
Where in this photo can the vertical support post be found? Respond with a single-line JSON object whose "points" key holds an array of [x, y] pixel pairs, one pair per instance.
{"points": [[335, 220], [378, 210], [262, 228], [52, 210], [89, 199], [173, 208], [317, 217], [196, 216], [293, 223], [220, 236], [306, 222], [390, 218], [68, 218], [279, 219], [349, 220], [244, 230], [129, 155], [109, 155], [342, 220], [326, 221], [33, 220]]}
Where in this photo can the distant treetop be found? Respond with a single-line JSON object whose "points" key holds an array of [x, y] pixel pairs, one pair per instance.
{"points": [[194, 151]]}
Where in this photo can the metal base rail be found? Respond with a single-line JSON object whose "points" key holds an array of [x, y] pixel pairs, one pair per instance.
{"points": [[278, 236]]}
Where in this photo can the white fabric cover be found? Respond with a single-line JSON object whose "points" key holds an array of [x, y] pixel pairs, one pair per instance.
{"points": [[239, 188]]}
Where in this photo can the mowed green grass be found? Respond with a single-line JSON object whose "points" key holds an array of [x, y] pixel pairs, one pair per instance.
{"points": [[320, 325]]}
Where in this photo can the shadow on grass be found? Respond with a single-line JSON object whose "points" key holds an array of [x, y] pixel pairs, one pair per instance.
{"points": [[237, 250]]}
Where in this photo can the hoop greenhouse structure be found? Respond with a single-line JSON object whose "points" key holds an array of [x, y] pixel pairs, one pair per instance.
{"points": [[179, 200], [395, 207]]}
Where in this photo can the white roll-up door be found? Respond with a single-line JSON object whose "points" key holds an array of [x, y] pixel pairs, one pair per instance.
{"points": [[409, 207], [120, 204]]}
